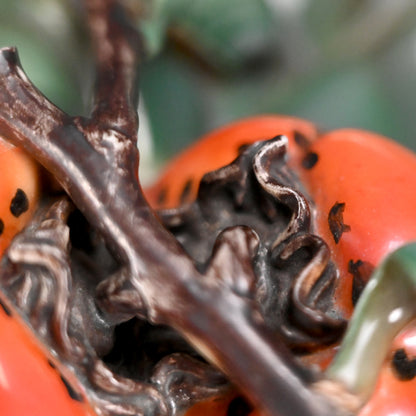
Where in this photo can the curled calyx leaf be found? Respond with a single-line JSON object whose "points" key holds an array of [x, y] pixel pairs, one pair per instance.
{"points": [[37, 276], [257, 241], [231, 261], [186, 380], [52, 286]]}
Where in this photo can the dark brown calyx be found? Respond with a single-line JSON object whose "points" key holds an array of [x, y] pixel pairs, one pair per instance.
{"points": [[52, 286], [250, 214]]}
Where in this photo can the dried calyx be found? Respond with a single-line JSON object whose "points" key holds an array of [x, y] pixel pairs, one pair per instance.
{"points": [[242, 234]]}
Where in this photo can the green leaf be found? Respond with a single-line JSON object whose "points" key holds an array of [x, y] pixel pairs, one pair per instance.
{"points": [[47, 40], [386, 305], [176, 110], [224, 33], [352, 96]]}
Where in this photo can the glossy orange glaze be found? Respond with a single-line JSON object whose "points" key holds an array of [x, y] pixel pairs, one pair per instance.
{"points": [[29, 386], [17, 171], [375, 178], [392, 396]]}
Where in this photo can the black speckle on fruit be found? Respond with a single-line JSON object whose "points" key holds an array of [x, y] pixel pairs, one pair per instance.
{"points": [[310, 160], [6, 310], [186, 192], [72, 393], [301, 140], [336, 221], [405, 369], [161, 196], [361, 272], [19, 204]]}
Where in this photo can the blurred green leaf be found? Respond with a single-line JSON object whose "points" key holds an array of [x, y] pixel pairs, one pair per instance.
{"points": [[175, 108], [48, 44], [44, 71], [226, 34], [348, 97], [258, 56]]}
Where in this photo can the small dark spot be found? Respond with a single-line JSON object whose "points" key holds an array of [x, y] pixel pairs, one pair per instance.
{"points": [[243, 147], [6, 310], [361, 272], [19, 204], [405, 368], [310, 160], [161, 196], [52, 365], [336, 221], [72, 393], [239, 407], [301, 140], [186, 192], [1, 226]]}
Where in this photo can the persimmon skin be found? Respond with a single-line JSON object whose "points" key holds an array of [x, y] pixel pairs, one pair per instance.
{"points": [[19, 182], [374, 177], [392, 395], [29, 386], [371, 178]]}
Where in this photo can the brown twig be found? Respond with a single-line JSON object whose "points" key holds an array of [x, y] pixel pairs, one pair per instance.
{"points": [[96, 162], [117, 49]]}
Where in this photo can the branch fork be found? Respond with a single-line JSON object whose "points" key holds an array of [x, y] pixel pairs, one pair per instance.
{"points": [[96, 161]]}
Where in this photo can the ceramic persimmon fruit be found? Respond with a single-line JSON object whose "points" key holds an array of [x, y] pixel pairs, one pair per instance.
{"points": [[361, 185]]}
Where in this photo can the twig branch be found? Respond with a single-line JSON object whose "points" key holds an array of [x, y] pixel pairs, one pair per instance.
{"points": [[96, 162], [117, 49]]}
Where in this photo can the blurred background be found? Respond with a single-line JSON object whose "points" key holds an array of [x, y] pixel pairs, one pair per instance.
{"points": [[344, 63]]}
